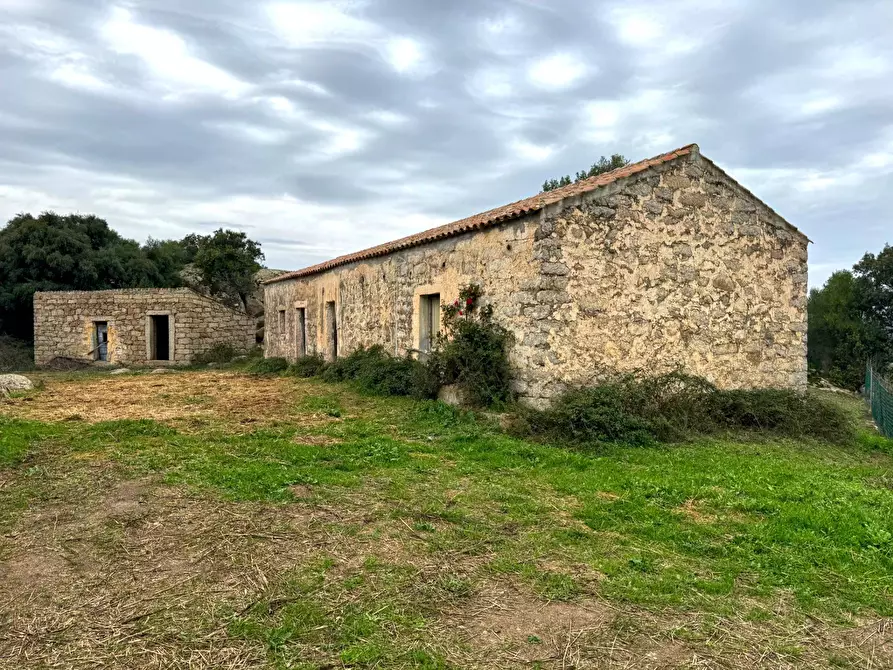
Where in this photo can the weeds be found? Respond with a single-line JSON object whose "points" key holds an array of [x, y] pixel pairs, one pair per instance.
{"points": [[471, 352], [266, 366], [220, 353], [374, 371], [307, 366]]}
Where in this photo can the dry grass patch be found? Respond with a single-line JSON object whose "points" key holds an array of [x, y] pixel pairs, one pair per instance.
{"points": [[144, 576], [191, 401], [510, 627]]}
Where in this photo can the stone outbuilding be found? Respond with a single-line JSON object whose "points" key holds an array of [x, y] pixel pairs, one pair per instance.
{"points": [[135, 326], [661, 264]]}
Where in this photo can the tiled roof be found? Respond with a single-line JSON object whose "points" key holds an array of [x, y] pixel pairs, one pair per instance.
{"points": [[493, 216]]}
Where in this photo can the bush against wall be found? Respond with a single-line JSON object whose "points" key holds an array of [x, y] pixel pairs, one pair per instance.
{"points": [[472, 351], [640, 409], [307, 366]]}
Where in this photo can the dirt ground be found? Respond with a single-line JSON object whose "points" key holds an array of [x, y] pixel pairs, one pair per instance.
{"points": [[113, 572]]}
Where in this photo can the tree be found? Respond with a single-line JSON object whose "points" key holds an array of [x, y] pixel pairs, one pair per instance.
{"points": [[840, 339], [599, 167], [874, 276], [226, 263], [76, 252], [52, 252]]}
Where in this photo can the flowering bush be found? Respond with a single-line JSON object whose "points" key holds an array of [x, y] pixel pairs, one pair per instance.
{"points": [[472, 350]]}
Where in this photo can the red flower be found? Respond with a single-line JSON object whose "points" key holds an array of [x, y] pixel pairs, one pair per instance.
{"points": [[460, 312], [468, 302], [456, 303]]}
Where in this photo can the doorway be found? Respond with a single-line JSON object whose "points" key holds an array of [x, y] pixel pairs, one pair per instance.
{"points": [[300, 332], [332, 323], [429, 321], [101, 341], [159, 337]]}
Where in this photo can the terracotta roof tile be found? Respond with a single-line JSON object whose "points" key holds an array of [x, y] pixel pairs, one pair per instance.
{"points": [[493, 216]]}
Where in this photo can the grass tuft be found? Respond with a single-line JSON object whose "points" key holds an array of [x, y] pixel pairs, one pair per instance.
{"points": [[267, 366]]}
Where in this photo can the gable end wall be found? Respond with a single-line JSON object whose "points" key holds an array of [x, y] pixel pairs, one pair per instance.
{"points": [[679, 268]]}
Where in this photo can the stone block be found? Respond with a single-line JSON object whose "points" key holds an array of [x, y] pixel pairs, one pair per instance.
{"points": [[653, 207], [665, 194], [692, 199]]}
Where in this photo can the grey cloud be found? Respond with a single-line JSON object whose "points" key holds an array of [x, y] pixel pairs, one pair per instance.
{"points": [[741, 95]]}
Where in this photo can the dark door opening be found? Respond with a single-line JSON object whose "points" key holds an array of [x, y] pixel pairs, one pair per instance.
{"points": [[159, 337], [300, 332], [101, 341], [332, 322]]}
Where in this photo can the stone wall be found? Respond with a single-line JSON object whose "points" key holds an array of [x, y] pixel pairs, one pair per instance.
{"points": [[64, 324], [676, 267]]}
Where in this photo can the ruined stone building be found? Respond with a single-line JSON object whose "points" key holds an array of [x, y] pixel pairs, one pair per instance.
{"points": [[135, 326], [663, 263]]}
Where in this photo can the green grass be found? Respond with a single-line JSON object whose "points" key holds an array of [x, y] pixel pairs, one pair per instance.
{"points": [[723, 527]]}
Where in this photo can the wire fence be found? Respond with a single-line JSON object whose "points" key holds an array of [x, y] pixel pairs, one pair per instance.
{"points": [[879, 393]]}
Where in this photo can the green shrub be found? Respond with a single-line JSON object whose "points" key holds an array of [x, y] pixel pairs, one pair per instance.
{"points": [[374, 371], [267, 366], [222, 352], [638, 409], [307, 366], [472, 352]]}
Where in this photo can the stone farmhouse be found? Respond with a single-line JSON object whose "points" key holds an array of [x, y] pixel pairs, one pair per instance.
{"points": [[135, 326], [660, 264]]}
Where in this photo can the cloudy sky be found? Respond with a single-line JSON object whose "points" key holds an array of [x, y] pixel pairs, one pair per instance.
{"points": [[324, 127]]}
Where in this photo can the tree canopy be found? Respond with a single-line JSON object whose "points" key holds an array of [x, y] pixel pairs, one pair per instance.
{"points": [[226, 263], [601, 166], [76, 252], [850, 320]]}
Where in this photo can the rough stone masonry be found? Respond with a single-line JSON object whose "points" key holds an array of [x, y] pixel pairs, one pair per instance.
{"points": [[662, 264], [66, 324]]}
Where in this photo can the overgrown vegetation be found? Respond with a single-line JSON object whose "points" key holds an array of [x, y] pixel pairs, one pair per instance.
{"points": [[472, 351], [307, 366], [374, 371], [637, 408]]}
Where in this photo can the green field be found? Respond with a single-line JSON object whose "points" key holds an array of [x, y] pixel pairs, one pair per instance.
{"points": [[274, 522]]}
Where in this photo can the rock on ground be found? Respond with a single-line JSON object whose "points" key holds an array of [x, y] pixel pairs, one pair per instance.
{"points": [[14, 383], [119, 371], [160, 371]]}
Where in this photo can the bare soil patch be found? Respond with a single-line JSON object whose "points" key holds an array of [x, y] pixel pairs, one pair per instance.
{"points": [[508, 624]]}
